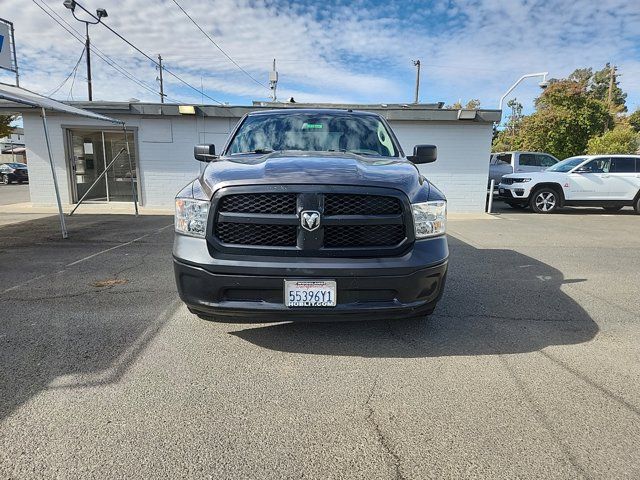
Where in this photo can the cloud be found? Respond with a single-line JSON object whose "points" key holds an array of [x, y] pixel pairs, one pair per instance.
{"points": [[338, 51]]}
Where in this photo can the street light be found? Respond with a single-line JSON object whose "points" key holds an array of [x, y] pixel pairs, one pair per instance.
{"points": [[543, 84], [100, 14]]}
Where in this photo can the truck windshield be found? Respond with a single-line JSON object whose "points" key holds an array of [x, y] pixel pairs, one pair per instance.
{"points": [[360, 134]]}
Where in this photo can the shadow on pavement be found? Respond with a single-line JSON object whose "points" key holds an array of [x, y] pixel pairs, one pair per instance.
{"points": [[496, 302], [501, 207], [73, 326]]}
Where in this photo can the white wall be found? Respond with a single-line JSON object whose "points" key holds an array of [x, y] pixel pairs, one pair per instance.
{"points": [[462, 168], [166, 163], [164, 148]]}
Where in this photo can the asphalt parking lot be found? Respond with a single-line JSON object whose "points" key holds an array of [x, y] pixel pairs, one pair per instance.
{"points": [[14, 193], [529, 368]]}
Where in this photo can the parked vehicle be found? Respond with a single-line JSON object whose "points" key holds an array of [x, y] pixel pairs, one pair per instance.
{"points": [[311, 214], [13, 172], [607, 181], [504, 163]]}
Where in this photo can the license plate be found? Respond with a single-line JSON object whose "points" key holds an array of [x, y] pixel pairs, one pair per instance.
{"points": [[501, 191], [310, 293]]}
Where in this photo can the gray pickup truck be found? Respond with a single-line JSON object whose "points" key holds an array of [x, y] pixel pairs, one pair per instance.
{"points": [[311, 214], [503, 163]]}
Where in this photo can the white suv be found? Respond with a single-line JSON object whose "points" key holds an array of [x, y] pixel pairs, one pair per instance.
{"points": [[607, 181]]}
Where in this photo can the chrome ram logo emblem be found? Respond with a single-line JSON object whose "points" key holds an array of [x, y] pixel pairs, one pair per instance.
{"points": [[310, 220]]}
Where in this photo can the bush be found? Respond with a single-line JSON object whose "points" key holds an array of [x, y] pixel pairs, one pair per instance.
{"points": [[621, 139]]}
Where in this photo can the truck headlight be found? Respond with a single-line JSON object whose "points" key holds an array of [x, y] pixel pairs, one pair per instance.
{"points": [[429, 218], [521, 180], [191, 217]]}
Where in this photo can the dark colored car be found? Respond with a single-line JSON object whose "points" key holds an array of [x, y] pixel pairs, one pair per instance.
{"points": [[13, 172], [311, 215]]}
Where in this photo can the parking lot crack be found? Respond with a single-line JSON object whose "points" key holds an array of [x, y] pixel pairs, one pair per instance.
{"points": [[539, 414], [382, 439]]}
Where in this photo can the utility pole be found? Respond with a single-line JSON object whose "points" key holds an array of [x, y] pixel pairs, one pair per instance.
{"points": [[273, 81], [416, 63], [162, 95], [87, 48], [100, 14], [612, 79]]}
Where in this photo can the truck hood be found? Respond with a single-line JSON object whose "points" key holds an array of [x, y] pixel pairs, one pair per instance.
{"points": [[313, 168]]}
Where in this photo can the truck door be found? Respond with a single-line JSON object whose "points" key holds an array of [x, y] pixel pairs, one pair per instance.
{"points": [[528, 162], [500, 165]]}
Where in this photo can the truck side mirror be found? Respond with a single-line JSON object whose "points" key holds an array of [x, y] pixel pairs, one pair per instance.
{"points": [[204, 153], [424, 154]]}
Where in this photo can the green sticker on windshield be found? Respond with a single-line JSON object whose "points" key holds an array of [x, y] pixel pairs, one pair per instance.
{"points": [[310, 126]]}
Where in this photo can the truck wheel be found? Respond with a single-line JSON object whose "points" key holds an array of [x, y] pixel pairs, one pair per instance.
{"points": [[612, 209], [544, 200], [5, 179], [636, 206]]}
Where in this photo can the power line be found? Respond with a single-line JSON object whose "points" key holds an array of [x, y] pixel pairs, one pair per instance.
{"points": [[99, 53], [77, 35], [152, 60], [72, 72], [219, 47]]}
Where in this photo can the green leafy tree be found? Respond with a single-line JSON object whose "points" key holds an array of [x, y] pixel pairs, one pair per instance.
{"points": [[634, 120], [509, 137], [599, 88], [5, 125], [622, 139], [472, 104], [567, 117], [581, 76]]}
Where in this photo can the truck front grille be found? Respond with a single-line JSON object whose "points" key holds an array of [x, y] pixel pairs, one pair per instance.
{"points": [[350, 223], [336, 236], [278, 203], [252, 234]]}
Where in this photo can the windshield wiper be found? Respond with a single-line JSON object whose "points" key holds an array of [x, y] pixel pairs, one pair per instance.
{"points": [[260, 150]]}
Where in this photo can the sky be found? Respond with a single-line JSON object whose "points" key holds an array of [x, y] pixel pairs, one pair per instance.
{"points": [[333, 51]]}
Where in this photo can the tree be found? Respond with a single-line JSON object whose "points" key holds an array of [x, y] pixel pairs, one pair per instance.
{"points": [[472, 104], [634, 120], [600, 83], [5, 125], [622, 139], [567, 117], [509, 138]]}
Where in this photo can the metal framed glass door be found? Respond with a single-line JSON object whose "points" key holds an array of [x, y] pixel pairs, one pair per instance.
{"points": [[90, 152]]}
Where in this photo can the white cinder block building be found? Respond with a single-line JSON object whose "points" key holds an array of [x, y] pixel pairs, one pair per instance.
{"points": [[162, 140]]}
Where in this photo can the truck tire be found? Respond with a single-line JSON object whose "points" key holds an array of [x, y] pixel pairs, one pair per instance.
{"points": [[636, 205], [545, 200]]}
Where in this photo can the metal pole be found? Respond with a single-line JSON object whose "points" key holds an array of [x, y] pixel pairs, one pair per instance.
{"points": [[87, 47], [104, 161], [122, 150], [63, 226], [15, 58], [493, 185], [161, 82], [417, 64], [133, 188], [529, 75]]}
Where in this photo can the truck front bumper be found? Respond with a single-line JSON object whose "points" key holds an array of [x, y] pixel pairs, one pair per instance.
{"points": [[367, 289]]}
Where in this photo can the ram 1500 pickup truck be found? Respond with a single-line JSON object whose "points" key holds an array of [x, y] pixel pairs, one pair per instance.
{"points": [[311, 215]]}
